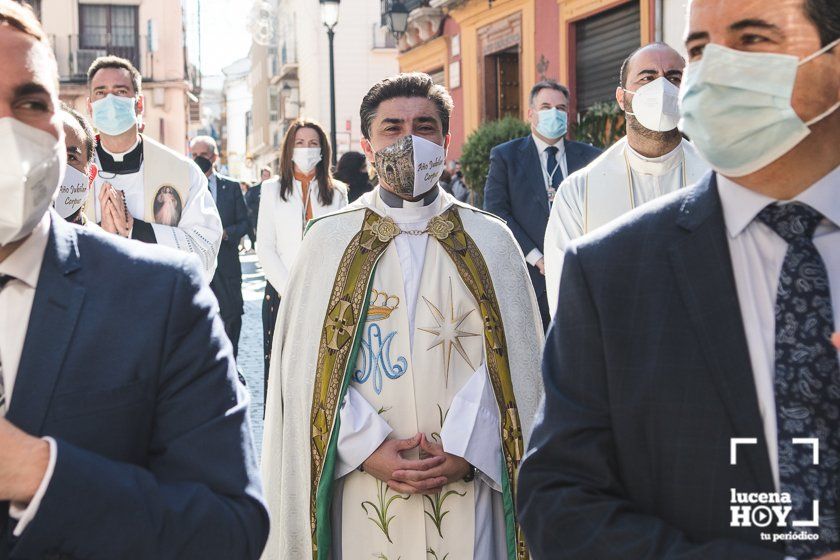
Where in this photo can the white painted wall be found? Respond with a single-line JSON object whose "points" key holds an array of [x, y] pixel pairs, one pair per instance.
{"points": [[674, 23], [357, 64], [238, 102]]}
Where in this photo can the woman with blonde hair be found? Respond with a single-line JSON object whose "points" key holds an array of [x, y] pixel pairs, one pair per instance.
{"points": [[304, 190]]}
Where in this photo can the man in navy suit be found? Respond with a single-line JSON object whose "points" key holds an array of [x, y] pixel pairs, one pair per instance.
{"points": [[525, 173], [227, 281], [690, 378], [123, 431]]}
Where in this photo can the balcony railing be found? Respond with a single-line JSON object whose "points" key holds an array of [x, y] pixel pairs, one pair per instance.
{"points": [[75, 56]]}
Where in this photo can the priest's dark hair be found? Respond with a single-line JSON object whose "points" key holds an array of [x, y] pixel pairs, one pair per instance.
{"points": [[119, 63], [825, 15], [323, 173], [411, 84]]}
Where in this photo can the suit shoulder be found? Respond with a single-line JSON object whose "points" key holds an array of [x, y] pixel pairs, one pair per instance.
{"points": [[587, 149], [112, 256], [632, 231], [510, 145], [228, 180]]}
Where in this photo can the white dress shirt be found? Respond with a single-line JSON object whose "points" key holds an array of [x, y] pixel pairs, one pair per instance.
{"points": [[757, 257], [534, 255], [16, 299]]}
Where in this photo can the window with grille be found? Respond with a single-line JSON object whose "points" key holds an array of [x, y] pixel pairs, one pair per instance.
{"points": [[111, 28]]}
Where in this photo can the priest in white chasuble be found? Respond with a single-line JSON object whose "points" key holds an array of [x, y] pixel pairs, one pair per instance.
{"points": [[142, 189], [652, 160], [407, 370]]}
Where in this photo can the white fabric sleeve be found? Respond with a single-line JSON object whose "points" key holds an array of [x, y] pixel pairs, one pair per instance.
{"points": [[276, 271], [564, 225], [533, 256], [200, 229], [25, 513], [361, 433], [471, 429]]}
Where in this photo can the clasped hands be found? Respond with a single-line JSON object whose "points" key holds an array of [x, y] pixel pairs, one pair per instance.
{"points": [[427, 475], [115, 215]]}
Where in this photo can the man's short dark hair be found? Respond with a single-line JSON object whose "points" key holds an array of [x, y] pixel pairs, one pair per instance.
{"points": [[115, 62], [825, 15], [87, 130], [413, 84], [548, 84]]}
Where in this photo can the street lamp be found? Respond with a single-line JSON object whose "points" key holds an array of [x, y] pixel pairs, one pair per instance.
{"points": [[396, 17], [329, 17]]}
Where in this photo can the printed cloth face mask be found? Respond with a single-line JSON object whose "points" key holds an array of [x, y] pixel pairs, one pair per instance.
{"points": [[553, 123], [31, 168], [72, 193], [411, 166], [306, 158], [114, 114], [736, 107], [656, 105]]}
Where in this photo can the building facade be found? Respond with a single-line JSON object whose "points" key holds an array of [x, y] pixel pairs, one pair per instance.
{"points": [[290, 70], [490, 53], [236, 114], [149, 33]]}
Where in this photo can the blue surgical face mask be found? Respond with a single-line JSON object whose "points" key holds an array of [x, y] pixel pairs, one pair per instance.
{"points": [[553, 123], [736, 108], [114, 115]]}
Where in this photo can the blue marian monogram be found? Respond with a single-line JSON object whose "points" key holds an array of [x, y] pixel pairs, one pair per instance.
{"points": [[376, 359]]}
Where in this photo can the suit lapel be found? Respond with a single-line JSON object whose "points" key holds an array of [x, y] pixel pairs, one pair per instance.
{"points": [[533, 175], [55, 312], [705, 279]]}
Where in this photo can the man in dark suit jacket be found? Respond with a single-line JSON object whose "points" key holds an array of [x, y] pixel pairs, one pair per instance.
{"points": [[227, 281], [525, 173], [123, 430], [693, 347]]}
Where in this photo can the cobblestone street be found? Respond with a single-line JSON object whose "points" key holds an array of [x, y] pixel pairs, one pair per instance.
{"points": [[251, 342]]}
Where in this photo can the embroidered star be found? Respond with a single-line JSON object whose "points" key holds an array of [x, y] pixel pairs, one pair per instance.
{"points": [[447, 333]]}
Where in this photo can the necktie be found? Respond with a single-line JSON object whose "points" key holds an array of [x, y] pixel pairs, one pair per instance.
{"points": [[807, 380], [553, 168], [4, 279]]}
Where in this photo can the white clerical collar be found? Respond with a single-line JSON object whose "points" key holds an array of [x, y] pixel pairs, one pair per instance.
{"points": [[24, 263], [119, 156], [741, 205], [657, 165], [418, 211], [542, 145]]}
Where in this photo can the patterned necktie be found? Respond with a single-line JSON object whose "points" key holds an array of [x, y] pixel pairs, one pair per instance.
{"points": [[3, 280], [553, 167], [807, 380]]}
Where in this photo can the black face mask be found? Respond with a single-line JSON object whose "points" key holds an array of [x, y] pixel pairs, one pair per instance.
{"points": [[203, 163]]}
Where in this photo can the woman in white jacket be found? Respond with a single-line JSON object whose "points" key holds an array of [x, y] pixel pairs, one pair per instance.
{"points": [[305, 190]]}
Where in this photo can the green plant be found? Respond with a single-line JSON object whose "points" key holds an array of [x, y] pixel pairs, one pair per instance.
{"points": [[475, 155], [602, 125], [437, 514], [382, 520]]}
